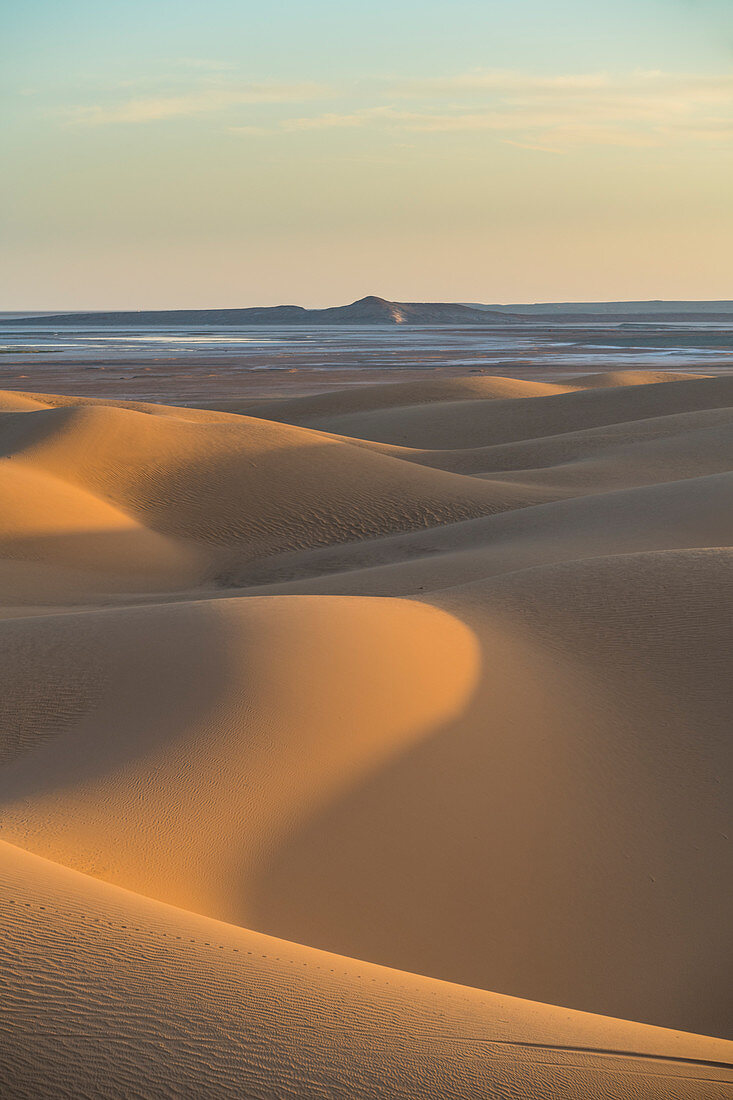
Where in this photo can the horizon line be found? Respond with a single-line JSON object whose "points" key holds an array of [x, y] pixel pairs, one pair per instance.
{"points": [[391, 301]]}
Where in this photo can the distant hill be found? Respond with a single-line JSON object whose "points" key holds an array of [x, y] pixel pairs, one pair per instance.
{"points": [[367, 311], [378, 311], [617, 311]]}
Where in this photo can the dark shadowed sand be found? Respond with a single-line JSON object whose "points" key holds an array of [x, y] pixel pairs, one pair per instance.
{"points": [[364, 743]]}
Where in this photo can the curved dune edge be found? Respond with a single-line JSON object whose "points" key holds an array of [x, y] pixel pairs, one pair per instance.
{"points": [[436, 676], [110, 994], [137, 499], [511, 785]]}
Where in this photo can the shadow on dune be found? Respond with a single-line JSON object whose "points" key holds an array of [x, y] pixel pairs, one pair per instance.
{"points": [[562, 841], [82, 566], [86, 694]]}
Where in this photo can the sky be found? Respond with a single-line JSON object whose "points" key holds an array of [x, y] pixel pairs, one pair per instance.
{"points": [[228, 153]]}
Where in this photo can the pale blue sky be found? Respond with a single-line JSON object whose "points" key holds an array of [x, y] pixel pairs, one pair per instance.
{"points": [[178, 154]]}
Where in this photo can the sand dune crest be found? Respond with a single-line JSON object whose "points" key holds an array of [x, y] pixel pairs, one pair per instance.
{"points": [[432, 676]]}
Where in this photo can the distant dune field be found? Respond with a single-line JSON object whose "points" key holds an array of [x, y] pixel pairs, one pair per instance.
{"points": [[374, 743]]}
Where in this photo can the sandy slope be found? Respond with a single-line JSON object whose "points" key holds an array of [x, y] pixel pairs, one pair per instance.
{"points": [[140, 999], [229, 491], [450, 694], [477, 422]]}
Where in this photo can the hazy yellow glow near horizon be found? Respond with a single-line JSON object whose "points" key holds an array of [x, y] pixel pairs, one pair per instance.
{"points": [[222, 155]]}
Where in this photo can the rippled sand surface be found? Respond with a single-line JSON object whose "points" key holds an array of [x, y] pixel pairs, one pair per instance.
{"points": [[368, 743]]}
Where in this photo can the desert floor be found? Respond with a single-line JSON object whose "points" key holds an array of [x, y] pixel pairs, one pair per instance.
{"points": [[371, 743]]}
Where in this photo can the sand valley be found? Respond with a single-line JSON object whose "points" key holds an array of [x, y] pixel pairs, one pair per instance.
{"points": [[371, 742]]}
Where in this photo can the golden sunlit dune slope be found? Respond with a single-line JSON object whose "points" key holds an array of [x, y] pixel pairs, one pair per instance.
{"points": [[283, 707], [109, 994]]}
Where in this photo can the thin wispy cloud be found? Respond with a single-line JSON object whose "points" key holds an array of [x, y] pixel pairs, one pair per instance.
{"points": [[499, 80], [208, 100], [362, 117], [551, 113], [572, 85], [204, 64]]}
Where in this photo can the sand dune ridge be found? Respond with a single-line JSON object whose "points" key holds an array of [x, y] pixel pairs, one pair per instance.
{"points": [[366, 743]]}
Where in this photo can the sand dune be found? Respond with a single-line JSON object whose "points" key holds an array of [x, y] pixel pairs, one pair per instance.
{"points": [[606, 379], [478, 422], [672, 516], [165, 1003], [432, 678], [557, 450], [359, 399], [204, 496]]}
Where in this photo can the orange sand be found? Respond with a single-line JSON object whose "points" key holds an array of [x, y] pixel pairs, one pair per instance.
{"points": [[432, 680]]}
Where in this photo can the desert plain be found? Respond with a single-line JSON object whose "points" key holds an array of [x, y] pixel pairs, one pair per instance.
{"points": [[373, 742]]}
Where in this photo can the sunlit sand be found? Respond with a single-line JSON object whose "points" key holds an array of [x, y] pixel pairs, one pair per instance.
{"points": [[369, 743]]}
